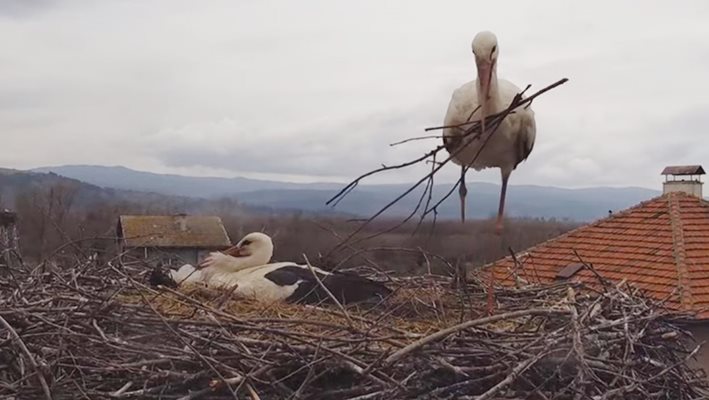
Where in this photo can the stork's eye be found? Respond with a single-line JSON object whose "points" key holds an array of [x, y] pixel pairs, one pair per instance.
{"points": [[246, 243], [493, 49]]}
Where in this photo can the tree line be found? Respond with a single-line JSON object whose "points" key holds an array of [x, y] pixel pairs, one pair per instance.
{"points": [[51, 222]]}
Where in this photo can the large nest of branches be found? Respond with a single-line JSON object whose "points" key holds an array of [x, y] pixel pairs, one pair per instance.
{"points": [[95, 331]]}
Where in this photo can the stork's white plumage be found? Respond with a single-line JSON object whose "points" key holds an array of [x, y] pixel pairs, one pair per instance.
{"points": [[513, 140]]}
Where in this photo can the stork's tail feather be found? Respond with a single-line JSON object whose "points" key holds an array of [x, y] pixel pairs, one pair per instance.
{"points": [[159, 277], [355, 289]]}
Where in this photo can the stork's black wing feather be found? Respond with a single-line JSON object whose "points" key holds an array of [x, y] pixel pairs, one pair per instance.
{"points": [[347, 288]]}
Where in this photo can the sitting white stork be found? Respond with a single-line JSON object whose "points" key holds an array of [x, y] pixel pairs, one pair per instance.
{"points": [[241, 256], [244, 268], [189, 275], [513, 140]]}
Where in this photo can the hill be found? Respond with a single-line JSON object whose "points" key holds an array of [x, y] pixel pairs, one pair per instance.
{"points": [[118, 177], [523, 200], [16, 185]]}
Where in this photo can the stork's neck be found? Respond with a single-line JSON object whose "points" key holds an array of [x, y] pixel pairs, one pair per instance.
{"points": [[232, 264]]}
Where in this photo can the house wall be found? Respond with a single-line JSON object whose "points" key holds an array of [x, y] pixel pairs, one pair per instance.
{"points": [[174, 256], [202, 254], [701, 334], [178, 256]]}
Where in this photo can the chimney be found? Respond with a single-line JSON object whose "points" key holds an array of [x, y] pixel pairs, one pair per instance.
{"points": [[181, 221], [683, 178]]}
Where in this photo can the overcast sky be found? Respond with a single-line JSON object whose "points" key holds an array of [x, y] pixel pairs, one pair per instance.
{"points": [[316, 90]]}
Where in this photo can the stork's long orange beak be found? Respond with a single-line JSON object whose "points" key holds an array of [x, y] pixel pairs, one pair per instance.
{"points": [[485, 69]]}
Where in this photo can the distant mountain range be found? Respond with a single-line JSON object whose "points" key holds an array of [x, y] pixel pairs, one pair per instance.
{"points": [[523, 200], [36, 191], [14, 183]]}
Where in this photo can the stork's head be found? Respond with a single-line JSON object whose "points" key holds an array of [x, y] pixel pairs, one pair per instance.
{"points": [[485, 50], [256, 245], [253, 250]]}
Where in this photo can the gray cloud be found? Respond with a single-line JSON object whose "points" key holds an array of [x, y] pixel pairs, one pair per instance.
{"points": [[336, 149], [318, 89], [24, 8]]}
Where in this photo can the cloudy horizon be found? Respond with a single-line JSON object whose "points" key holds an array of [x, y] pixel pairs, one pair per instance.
{"points": [[317, 90]]}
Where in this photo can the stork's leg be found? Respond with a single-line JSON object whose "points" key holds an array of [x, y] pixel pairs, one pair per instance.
{"points": [[462, 191], [501, 209], [498, 231]]}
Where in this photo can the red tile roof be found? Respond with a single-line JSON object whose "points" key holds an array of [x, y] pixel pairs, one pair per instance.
{"points": [[660, 246]]}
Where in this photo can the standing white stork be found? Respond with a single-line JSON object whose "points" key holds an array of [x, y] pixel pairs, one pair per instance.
{"points": [[510, 144]]}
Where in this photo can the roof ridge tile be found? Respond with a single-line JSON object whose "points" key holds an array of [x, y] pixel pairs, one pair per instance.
{"points": [[679, 253]]}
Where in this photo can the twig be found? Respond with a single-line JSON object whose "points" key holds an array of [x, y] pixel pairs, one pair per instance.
{"points": [[416, 138], [465, 325], [329, 293], [516, 371], [30, 358], [212, 388]]}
